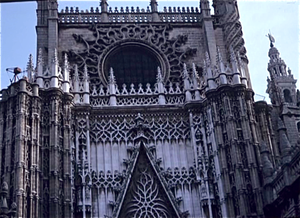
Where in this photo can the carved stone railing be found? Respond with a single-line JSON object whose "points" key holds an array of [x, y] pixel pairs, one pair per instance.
{"points": [[278, 184], [279, 181], [122, 15], [100, 96]]}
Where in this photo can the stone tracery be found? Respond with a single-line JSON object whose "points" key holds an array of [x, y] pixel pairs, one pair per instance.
{"points": [[153, 36]]}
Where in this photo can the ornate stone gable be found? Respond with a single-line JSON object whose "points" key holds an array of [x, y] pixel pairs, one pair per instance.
{"points": [[171, 52], [146, 193]]}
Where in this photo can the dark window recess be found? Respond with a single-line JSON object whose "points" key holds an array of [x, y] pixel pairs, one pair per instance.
{"points": [[287, 96], [132, 64]]}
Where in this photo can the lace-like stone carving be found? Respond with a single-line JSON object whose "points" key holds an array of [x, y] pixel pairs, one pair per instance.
{"points": [[145, 196], [107, 38], [146, 201], [161, 127]]}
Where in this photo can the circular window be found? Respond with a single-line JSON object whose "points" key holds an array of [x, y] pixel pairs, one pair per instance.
{"points": [[132, 64]]}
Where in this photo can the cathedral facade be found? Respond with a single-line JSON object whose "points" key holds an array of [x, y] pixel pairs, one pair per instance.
{"points": [[135, 112]]}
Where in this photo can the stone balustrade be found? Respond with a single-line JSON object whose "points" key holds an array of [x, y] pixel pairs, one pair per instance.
{"points": [[121, 15]]}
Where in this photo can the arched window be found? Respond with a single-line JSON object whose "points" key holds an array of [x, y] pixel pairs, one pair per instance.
{"points": [[287, 96], [132, 64]]}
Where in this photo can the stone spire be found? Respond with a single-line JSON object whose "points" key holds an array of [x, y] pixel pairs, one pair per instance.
{"points": [[54, 70], [112, 87], [86, 86], [66, 74], [30, 69], [76, 84]]}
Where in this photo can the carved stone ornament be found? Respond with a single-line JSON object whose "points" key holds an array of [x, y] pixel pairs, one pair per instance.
{"points": [[154, 37], [145, 195]]}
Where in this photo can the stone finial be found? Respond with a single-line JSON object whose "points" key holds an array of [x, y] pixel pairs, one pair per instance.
{"points": [[153, 4], [289, 71], [4, 187], [195, 76], [30, 68], [55, 58], [185, 73], [285, 145], [111, 79], [195, 73], [232, 55], [76, 74], [40, 56], [66, 62], [207, 59], [66, 74], [280, 124], [53, 5], [40, 61], [159, 78], [66, 67], [85, 73], [160, 87], [267, 165], [220, 61], [30, 63], [103, 4], [4, 191]]}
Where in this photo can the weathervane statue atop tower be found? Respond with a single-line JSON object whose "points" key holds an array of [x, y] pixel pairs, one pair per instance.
{"points": [[271, 38]]}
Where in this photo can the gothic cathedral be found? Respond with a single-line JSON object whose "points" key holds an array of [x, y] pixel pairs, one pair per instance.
{"points": [[135, 112]]}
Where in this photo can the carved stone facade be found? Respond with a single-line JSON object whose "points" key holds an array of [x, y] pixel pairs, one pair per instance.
{"points": [[141, 113]]}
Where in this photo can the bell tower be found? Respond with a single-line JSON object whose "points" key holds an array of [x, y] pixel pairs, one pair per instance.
{"points": [[282, 92]]}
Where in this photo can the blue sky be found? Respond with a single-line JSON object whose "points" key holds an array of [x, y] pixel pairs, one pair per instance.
{"points": [[18, 38]]}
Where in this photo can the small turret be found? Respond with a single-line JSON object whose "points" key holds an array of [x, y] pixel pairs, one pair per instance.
{"points": [[205, 8]]}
